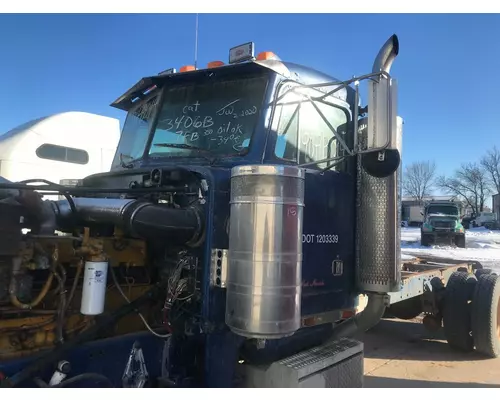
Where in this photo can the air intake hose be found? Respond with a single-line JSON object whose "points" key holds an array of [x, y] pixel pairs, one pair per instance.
{"points": [[134, 217]]}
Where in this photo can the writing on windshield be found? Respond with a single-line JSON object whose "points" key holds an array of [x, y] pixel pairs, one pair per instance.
{"points": [[217, 117]]}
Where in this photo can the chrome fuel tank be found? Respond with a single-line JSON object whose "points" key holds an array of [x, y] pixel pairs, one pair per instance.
{"points": [[265, 251]]}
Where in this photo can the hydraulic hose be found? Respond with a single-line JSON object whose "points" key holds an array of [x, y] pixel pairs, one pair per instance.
{"points": [[62, 305], [85, 376], [73, 287], [13, 287], [26, 306], [74, 379]]}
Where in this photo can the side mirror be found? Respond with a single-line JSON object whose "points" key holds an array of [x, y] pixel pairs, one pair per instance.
{"points": [[385, 128]]}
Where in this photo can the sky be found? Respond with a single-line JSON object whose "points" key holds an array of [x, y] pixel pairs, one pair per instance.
{"points": [[447, 66]]}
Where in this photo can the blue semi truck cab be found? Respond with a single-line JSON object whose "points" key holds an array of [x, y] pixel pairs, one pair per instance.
{"points": [[248, 206]]}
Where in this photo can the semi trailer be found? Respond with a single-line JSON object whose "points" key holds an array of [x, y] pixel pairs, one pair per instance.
{"points": [[61, 148], [248, 229]]}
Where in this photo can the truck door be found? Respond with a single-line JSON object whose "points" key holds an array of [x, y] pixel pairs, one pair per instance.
{"points": [[329, 214]]}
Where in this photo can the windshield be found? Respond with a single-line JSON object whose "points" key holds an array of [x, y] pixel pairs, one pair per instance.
{"points": [[215, 118], [135, 132], [446, 210]]}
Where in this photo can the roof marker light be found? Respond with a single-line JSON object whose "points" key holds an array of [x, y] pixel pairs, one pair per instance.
{"points": [[267, 55], [215, 64], [187, 68]]}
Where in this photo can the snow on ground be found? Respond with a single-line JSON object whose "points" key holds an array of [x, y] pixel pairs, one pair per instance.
{"points": [[482, 245]]}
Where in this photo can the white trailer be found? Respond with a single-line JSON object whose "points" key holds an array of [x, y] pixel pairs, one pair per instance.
{"points": [[415, 217], [59, 148]]}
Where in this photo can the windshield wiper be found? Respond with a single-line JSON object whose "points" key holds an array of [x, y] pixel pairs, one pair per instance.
{"points": [[240, 153], [186, 146], [201, 150], [182, 146], [123, 164]]}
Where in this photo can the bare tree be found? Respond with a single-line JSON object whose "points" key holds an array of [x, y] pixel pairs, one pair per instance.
{"points": [[470, 183], [418, 179], [491, 164]]}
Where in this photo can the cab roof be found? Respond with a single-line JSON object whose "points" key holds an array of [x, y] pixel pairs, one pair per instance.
{"points": [[295, 72]]}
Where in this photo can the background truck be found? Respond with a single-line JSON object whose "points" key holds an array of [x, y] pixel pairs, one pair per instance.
{"points": [[486, 219], [249, 209], [442, 223]]}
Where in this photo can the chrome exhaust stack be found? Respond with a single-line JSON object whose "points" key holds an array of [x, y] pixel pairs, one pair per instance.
{"points": [[386, 55], [378, 251], [378, 218]]}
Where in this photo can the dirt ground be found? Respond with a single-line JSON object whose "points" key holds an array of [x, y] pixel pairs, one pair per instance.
{"points": [[404, 354]]}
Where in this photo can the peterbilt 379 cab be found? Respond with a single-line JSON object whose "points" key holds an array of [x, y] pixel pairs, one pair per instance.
{"points": [[248, 207]]}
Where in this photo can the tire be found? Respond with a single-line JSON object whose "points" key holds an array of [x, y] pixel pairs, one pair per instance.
{"points": [[484, 271], [406, 309], [456, 311], [424, 241], [460, 241], [486, 315], [432, 323]]}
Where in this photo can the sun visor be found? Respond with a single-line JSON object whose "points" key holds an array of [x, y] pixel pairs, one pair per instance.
{"points": [[137, 92]]}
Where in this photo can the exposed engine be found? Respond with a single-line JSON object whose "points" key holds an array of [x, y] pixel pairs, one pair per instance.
{"points": [[54, 279]]}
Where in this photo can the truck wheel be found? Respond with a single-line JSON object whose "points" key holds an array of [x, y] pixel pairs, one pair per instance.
{"points": [[424, 241], [456, 311], [406, 309], [432, 323], [486, 315], [460, 241], [483, 271]]}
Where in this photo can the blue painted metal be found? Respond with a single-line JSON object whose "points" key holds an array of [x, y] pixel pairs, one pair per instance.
{"points": [[330, 210], [107, 357], [328, 213]]}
